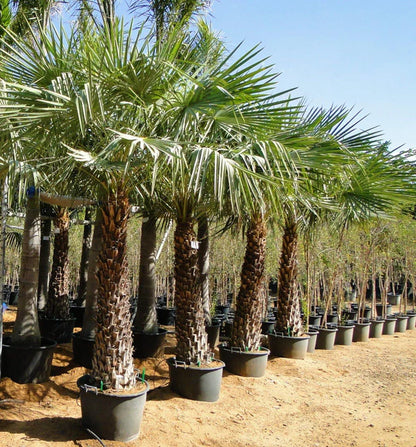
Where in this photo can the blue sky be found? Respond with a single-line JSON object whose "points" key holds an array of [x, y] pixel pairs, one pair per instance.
{"points": [[345, 52]]}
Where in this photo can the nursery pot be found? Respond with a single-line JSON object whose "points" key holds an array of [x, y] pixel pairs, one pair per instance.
{"points": [[27, 364], [166, 315], [213, 332], [82, 348], [376, 328], [227, 328], [344, 335], [56, 329], [223, 309], [389, 325], [267, 326], [393, 299], [313, 334], [326, 338], [315, 320], [401, 323], [379, 309], [332, 318], [196, 383], [361, 332], [290, 347], [411, 322], [247, 364], [77, 312], [112, 416], [149, 345]]}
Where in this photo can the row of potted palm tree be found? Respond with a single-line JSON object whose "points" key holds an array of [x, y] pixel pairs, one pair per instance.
{"points": [[183, 129]]}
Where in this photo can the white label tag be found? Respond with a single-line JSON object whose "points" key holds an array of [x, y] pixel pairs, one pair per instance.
{"points": [[56, 230], [195, 245], [46, 238]]}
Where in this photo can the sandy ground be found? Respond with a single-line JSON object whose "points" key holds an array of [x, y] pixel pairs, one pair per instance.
{"points": [[360, 395]]}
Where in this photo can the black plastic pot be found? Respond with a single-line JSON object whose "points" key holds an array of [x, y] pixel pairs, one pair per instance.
{"points": [[59, 330], [376, 328], [326, 338], [313, 335], [315, 320], [223, 309], [213, 332], [394, 299], [166, 315], [344, 335], [227, 328], [111, 416], [82, 348], [77, 312], [401, 323], [332, 318], [196, 383], [411, 322], [379, 309], [247, 364], [389, 326], [361, 332], [290, 347], [149, 345], [267, 326], [27, 364]]}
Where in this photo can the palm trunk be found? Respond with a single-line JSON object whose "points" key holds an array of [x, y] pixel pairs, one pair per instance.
{"points": [[83, 266], [146, 317], [26, 328], [192, 339], [57, 305], [288, 318], [45, 250], [89, 322], [246, 331], [203, 263], [113, 350]]}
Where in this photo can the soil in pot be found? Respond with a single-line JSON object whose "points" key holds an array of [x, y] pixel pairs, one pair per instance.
{"points": [[376, 328], [326, 338], [344, 335], [289, 347], [194, 382], [59, 330], [247, 364], [27, 364], [82, 348], [149, 345], [109, 415]]}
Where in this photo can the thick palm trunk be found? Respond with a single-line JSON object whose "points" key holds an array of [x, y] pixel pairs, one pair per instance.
{"points": [[146, 317], [45, 250], [288, 307], [246, 331], [26, 328], [113, 350], [89, 322], [57, 305], [83, 266], [192, 340], [203, 263]]}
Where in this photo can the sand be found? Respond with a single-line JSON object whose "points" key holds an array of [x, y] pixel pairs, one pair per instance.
{"points": [[360, 395]]}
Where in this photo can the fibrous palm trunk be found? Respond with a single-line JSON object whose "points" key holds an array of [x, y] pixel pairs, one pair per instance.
{"points": [[192, 339], [203, 263], [26, 328], [288, 319], [83, 266], [57, 305], [146, 317], [113, 350], [246, 331]]}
